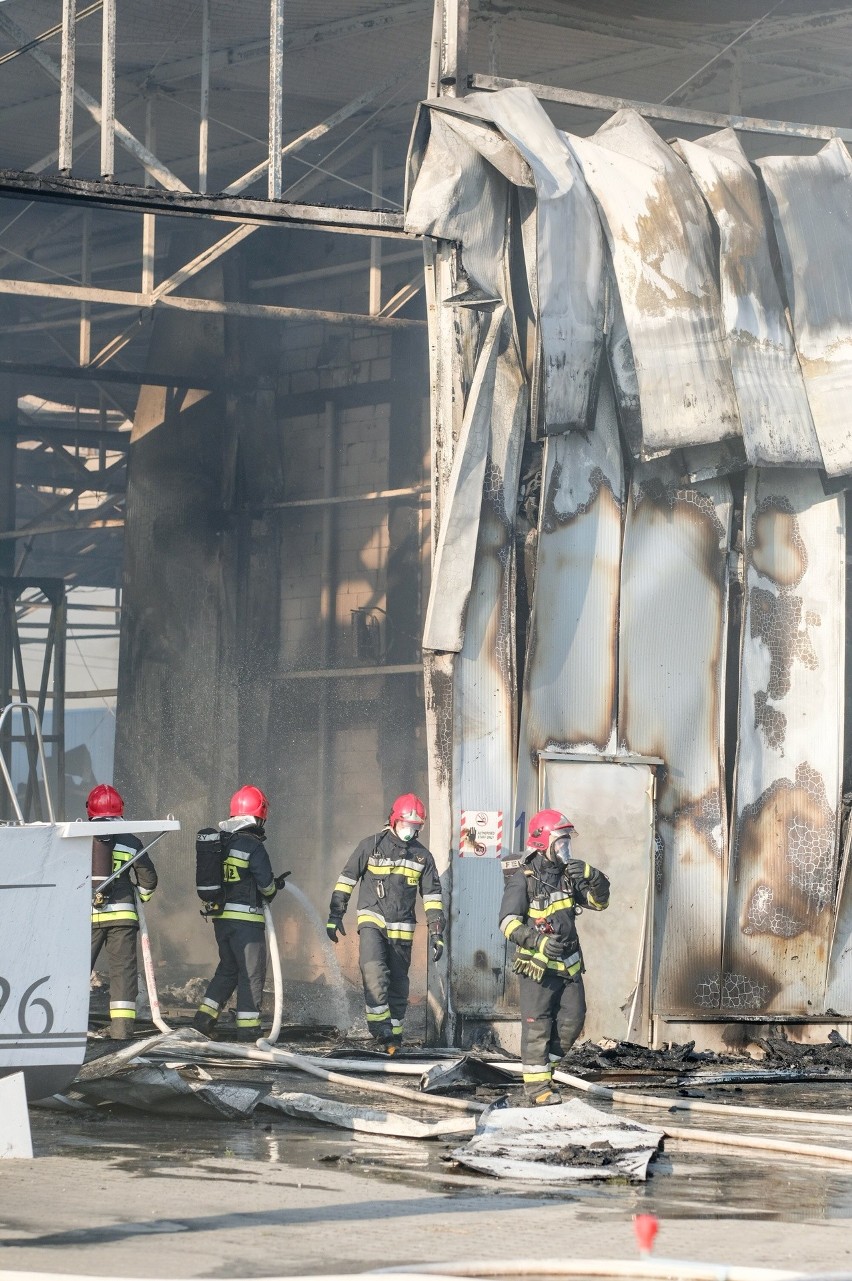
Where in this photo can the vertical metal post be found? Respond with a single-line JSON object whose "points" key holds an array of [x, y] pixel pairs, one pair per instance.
{"points": [[86, 277], [453, 79], [58, 722], [108, 91], [328, 619], [66, 86], [149, 224], [437, 44], [8, 454], [276, 97], [375, 243], [204, 108]]}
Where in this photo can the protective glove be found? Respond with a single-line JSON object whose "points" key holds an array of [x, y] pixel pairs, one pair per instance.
{"points": [[334, 926], [437, 946], [575, 869], [279, 880], [525, 936], [551, 946]]}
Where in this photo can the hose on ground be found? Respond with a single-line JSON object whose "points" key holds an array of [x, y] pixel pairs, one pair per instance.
{"points": [[148, 966], [646, 1269]]}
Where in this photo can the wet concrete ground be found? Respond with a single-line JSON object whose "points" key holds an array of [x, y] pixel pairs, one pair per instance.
{"points": [[125, 1193]]}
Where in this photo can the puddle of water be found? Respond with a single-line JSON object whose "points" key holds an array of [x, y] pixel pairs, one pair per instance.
{"points": [[682, 1183]]}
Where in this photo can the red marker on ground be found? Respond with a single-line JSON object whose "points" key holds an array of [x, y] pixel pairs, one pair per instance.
{"points": [[646, 1227]]}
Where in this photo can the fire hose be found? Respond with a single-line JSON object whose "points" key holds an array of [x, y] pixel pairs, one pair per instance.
{"points": [[266, 1043], [148, 966]]}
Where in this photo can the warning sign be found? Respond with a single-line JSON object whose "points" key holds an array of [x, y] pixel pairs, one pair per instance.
{"points": [[481, 834]]}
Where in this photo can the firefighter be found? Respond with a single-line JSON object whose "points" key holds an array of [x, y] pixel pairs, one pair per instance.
{"points": [[393, 867], [537, 914], [115, 923], [239, 925]]}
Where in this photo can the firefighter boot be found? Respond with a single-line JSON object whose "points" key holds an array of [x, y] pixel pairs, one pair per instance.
{"points": [[121, 1029], [205, 1023], [547, 1097]]}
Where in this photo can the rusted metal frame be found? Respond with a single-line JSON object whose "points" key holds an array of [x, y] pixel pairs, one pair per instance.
{"points": [[275, 137], [257, 311], [108, 91], [66, 96], [204, 95], [375, 294], [90, 523], [374, 21], [681, 115], [264, 213], [128, 140], [47, 35], [328, 273], [130, 377]]}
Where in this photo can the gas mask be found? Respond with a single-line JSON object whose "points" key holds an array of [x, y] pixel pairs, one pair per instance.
{"points": [[406, 831], [560, 850]]}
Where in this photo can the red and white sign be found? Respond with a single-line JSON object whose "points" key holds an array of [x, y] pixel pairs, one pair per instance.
{"points": [[481, 834]]}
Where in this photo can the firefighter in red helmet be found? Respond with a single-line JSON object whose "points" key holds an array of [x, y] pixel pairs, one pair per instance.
{"points": [[538, 915], [393, 868], [115, 923], [238, 923]]}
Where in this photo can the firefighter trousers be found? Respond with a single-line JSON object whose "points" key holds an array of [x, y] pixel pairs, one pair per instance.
{"points": [[384, 969], [552, 1016], [119, 943], [242, 966]]}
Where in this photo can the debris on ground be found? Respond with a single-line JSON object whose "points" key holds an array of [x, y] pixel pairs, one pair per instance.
{"points": [[573, 1140], [348, 1116]]}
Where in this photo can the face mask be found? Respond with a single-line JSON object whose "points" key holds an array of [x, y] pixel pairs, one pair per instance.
{"points": [[406, 831], [560, 850]]}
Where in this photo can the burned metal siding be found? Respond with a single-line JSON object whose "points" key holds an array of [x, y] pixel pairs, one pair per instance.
{"points": [[774, 410], [661, 244], [570, 679], [811, 202], [784, 840], [671, 682]]}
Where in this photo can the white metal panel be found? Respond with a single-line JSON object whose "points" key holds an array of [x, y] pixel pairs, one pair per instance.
{"points": [[662, 250], [774, 410], [570, 678], [789, 765], [612, 807], [811, 202], [45, 904], [671, 701], [485, 698]]}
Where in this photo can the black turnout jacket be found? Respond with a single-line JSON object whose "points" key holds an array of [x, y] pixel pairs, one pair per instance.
{"points": [[542, 891], [392, 873]]}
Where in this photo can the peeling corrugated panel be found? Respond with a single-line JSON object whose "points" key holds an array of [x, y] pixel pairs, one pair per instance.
{"points": [[784, 842], [838, 988], [570, 681], [671, 682], [485, 696], [774, 410], [563, 247], [660, 238], [811, 201]]}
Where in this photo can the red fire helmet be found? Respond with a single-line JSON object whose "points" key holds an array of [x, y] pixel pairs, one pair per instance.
{"points": [[545, 826], [104, 802], [408, 807], [250, 801]]}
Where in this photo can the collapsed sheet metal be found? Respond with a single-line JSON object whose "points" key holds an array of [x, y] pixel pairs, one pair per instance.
{"points": [[162, 1089], [662, 250], [570, 678], [485, 695], [671, 683], [572, 1141], [349, 1116], [811, 202], [774, 410], [563, 251], [784, 841]]}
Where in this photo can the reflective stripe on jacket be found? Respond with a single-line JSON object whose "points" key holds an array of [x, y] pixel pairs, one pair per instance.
{"points": [[119, 906], [392, 873], [542, 891], [248, 878]]}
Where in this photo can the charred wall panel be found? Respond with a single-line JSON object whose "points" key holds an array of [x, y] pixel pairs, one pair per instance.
{"points": [[812, 208], [662, 252], [784, 843], [571, 672], [671, 681], [774, 411]]}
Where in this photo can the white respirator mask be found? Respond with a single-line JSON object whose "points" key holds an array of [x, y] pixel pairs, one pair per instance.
{"points": [[406, 831]]}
